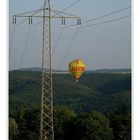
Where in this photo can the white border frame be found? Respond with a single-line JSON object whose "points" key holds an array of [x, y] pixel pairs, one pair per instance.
{"points": [[4, 31], [136, 70], [4, 36]]}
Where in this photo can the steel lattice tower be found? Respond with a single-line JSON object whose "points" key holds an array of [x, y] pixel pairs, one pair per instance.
{"points": [[46, 116], [46, 121]]}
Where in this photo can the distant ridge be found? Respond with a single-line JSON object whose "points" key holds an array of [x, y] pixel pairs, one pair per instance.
{"points": [[31, 69], [113, 71], [123, 70], [39, 70]]}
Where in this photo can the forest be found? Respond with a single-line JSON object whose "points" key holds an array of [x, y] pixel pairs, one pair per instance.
{"points": [[98, 107]]}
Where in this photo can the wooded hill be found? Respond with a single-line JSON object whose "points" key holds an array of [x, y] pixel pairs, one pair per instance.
{"points": [[95, 91], [98, 107]]}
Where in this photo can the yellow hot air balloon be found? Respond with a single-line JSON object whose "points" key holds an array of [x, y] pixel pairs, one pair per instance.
{"points": [[77, 68]]}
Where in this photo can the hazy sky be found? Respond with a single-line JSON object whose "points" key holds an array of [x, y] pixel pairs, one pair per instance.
{"points": [[103, 46]]}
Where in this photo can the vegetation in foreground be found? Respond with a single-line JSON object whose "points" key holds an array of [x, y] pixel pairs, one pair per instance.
{"points": [[96, 108]]}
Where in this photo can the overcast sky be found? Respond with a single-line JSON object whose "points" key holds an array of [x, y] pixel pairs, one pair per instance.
{"points": [[102, 46]]}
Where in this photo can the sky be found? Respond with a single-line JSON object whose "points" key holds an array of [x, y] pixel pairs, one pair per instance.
{"points": [[103, 46]]}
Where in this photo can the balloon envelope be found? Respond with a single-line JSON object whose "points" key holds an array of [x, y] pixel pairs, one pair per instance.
{"points": [[77, 68]]}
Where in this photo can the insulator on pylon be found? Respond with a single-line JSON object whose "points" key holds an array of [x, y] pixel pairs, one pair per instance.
{"points": [[63, 21], [31, 20], [78, 21], [15, 21]]}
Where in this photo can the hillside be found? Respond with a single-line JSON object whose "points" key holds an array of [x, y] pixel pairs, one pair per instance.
{"points": [[102, 92], [38, 69], [113, 71]]}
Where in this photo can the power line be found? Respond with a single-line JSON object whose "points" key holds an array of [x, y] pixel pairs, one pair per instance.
{"points": [[71, 43], [11, 42], [21, 61], [55, 3], [109, 14], [21, 22], [12, 36], [85, 27], [36, 11], [33, 11], [59, 37], [22, 58], [70, 6], [37, 24], [112, 20], [61, 12], [100, 17], [46, 113], [13, 32]]}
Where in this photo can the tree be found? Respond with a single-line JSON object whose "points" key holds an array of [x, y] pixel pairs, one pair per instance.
{"points": [[13, 129], [90, 126], [121, 125], [62, 116], [28, 122]]}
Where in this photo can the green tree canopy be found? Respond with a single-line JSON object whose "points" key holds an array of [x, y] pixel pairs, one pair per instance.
{"points": [[91, 126], [13, 128], [62, 115]]}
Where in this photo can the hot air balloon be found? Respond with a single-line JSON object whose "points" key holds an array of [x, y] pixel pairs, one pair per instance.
{"points": [[77, 68]]}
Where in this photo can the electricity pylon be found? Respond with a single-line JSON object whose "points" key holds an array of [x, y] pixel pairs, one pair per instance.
{"points": [[45, 12]]}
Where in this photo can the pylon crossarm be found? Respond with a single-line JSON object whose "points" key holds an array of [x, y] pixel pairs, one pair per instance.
{"points": [[46, 16], [74, 17], [58, 13]]}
